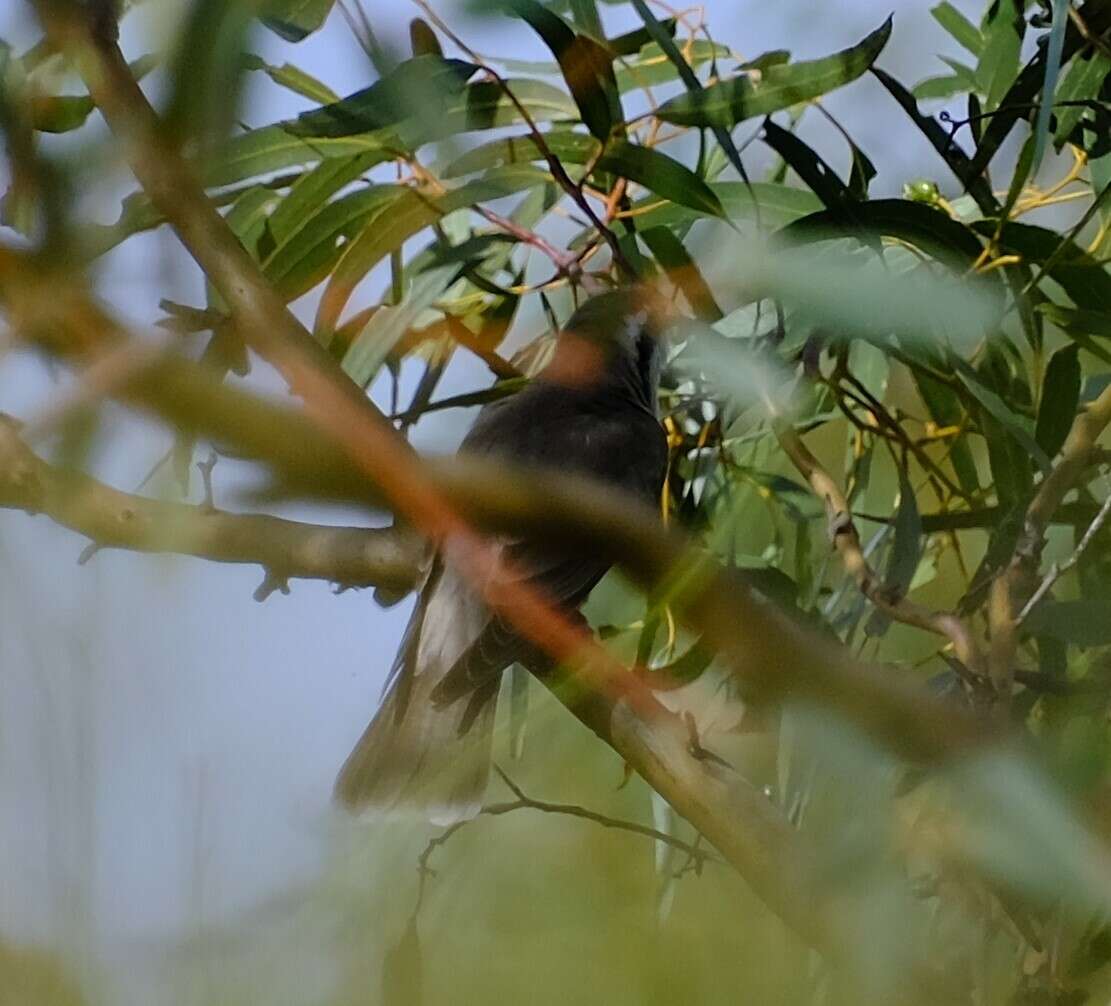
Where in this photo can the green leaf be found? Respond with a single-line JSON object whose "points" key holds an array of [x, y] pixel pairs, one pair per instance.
{"points": [[1081, 276], [999, 61], [683, 271], [311, 191], [295, 20], [585, 15], [938, 88], [586, 65], [1016, 425], [945, 410], [1078, 322], [391, 224], [1083, 623], [963, 31], [388, 325], [907, 548], [423, 85], [1082, 80], [651, 67], [306, 236], [778, 204], [294, 79], [482, 105], [644, 165], [62, 114], [423, 40], [1060, 397], [737, 99]]}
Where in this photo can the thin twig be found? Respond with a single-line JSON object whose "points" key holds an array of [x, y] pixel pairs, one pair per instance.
{"points": [[1057, 570]]}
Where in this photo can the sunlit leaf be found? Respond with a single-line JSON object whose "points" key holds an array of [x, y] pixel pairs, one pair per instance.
{"points": [[962, 30], [999, 61], [391, 223], [294, 79], [387, 326]]}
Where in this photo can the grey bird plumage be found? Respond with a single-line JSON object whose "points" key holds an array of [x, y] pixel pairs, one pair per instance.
{"points": [[591, 412]]}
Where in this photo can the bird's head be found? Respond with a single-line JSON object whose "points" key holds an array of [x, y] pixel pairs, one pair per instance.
{"points": [[614, 337]]}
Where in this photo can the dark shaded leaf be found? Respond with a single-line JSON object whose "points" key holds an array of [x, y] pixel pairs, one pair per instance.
{"points": [[927, 228], [945, 410], [737, 99], [586, 64], [957, 160], [1081, 276], [1016, 425], [1082, 623], [294, 79], [632, 42], [906, 549], [822, 180], [423, 85], [1078, 322], [1060, 397]]}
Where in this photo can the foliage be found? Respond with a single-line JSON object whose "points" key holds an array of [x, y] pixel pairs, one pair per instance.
{"points": [[883, 412]]}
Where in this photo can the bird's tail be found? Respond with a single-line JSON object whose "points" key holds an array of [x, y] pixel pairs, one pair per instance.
{"points": [[422, 759]]}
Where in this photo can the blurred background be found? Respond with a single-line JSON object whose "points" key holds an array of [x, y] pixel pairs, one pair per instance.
{"points": [[168, 744]]}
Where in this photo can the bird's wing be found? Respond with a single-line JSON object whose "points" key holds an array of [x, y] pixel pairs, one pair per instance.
{"points": [[621, 447]]}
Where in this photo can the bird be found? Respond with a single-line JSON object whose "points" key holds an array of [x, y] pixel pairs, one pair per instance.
{"points": [[592, 411]]}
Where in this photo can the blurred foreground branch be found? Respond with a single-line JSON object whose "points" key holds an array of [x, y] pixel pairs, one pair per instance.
{"points": [[347, 556]]}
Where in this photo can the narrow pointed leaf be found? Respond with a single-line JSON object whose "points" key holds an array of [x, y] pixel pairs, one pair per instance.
{"points": [[1060, 397], [739, 98], [389, 226], [644, 165], [295, 20]]}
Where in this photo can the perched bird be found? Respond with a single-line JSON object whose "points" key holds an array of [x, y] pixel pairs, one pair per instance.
{"points": [[591, 411]]}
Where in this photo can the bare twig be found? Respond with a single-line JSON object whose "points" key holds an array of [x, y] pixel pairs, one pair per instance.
{"points": [[1075, 459], [559, 173], [1057, 570], [846, 541]]}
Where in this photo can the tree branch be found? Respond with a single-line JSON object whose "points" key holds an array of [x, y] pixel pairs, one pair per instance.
{"points": [[846, 541], [348, 556], [1075, 458]]}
